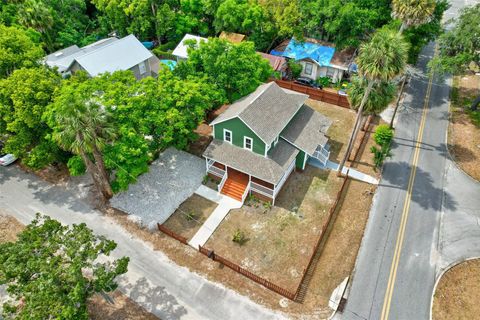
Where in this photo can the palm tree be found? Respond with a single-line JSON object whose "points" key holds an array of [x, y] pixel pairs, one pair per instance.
{"points": [[381, 95], [35, 14], [412, 12], [84, 128], [381, 59]]}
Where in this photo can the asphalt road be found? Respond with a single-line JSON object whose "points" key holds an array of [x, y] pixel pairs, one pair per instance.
{"points": [[397, 265]]}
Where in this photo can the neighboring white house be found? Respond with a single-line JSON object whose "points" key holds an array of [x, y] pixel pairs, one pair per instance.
{"points": [[106, 55], [180, 50], [319, 59]]}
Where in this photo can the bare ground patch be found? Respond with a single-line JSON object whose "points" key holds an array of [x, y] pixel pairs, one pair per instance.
{"points": [[463, 133], [458, 293], [280, 239], [190, 216]]}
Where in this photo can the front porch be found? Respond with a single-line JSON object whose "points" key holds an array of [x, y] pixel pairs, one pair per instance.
{"points": [[237, 184]]}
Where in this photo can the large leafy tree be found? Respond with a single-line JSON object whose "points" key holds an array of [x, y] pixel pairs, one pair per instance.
{"points": [[82, 126], [413, 12], [380, 59], [235, 68], [460, 45], [24, 97], [51, 270], [18, 49]]}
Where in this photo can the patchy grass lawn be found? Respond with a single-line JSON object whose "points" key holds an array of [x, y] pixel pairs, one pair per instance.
{"points": [[458, 293], [464, 132], [280, 239], [122, 308], [190, 216]]}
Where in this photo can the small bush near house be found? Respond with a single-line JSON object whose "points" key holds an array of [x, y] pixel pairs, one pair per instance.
{"points": [[295, 68], [76, 166], [383, 135], [324, 81], [239, 237]]}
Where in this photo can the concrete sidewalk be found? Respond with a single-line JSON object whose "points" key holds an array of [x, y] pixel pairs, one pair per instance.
{"points": [[225, 204], [352, 173], [153, 280]]}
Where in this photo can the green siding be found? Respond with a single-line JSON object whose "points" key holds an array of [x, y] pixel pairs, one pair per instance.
{"points": [[300, 159], [239, 130]]}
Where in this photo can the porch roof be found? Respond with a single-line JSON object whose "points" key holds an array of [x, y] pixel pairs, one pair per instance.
{"points": [[307, 130], [269, 169]]}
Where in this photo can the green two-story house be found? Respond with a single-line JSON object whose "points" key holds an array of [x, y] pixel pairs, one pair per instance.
{"points": [[260, 139]]}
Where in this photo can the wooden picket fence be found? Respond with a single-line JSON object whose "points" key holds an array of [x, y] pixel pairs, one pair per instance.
{"points": [[235, 267], [308, 271], [316, 94]]}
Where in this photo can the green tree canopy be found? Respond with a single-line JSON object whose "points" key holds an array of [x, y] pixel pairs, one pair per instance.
{"points": [[24, 97], [235, 68], [17, 49], [379, 98], [51, 270], [460, 46]]}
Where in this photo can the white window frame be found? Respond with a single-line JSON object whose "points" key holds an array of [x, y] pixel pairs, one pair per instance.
{"points": [[245, 143], [142, 68], [330, 72], [225, 136], [305, 70]]}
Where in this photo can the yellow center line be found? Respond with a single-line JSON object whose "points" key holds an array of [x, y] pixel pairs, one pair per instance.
{"points": [[406, 208]]}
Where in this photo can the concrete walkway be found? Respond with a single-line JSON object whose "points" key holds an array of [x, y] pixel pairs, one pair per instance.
{"points": [[153, 281], [352, 173], [225, 204]]}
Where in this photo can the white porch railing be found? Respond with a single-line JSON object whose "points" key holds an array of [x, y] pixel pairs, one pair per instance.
{"points": [[215, 170], [266, 191], [224, 178], [279, 186], [321, 154], [247, 190]]}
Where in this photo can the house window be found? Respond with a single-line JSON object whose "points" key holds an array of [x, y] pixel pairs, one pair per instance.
{"points": [[248, 143], [330, 72], [227, 135], [308, 68], [142, 68]]}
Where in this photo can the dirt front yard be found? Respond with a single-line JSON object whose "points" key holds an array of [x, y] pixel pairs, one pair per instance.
{"points": [[458, 293], [464, 128], [279, 240], [190, 216], [121, 308]]}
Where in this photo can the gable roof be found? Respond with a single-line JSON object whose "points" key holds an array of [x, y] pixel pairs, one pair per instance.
{"points": [[277, 63], [121, 54], [266, 111], [319, 53], [307, 130], [106, 55], [181, 49]]}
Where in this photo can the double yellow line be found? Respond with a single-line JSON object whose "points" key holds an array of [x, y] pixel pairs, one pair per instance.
{"points": [[406, 208]]}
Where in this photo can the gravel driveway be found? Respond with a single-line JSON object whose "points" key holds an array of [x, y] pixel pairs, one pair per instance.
{"points": [[172, 178]]}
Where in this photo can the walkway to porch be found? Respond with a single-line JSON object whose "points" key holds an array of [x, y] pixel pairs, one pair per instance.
{"points": [[225, 204]]}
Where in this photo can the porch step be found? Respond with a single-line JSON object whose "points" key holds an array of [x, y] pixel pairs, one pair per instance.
{"points": [[234, 189]]}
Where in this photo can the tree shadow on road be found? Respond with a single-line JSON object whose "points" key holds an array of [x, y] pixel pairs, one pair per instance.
{"points": [[156, 300], [425, 192]]}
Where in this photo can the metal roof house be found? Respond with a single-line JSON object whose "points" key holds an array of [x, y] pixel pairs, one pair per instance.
{"points": [[106, 55], [260, 139], [318, 58], [180, 50]]}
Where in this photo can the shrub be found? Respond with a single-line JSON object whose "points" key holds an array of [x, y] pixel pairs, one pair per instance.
{"points": [[383, 135], [295, 67], [76, 166], [324, 81], [239, 237], [190, 216]]}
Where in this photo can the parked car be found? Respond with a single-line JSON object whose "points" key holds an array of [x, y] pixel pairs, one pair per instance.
{"points": [[307, 82], [6, 158]]}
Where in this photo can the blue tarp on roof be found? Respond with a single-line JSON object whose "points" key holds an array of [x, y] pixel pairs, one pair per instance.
{"points": [[303, 50]]}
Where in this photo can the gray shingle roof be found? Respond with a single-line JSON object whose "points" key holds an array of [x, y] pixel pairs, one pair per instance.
{"points": [[307, 130], [266, 111], [270, 169]]}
